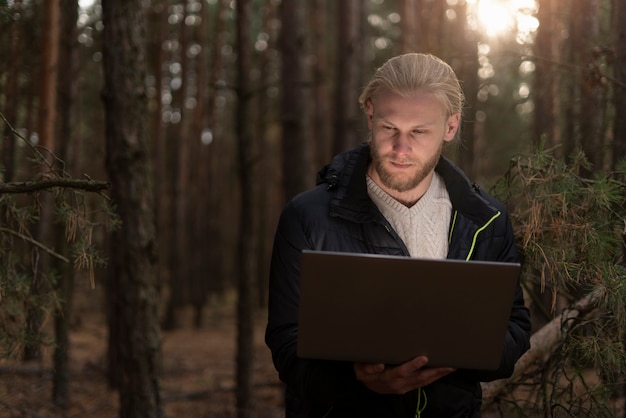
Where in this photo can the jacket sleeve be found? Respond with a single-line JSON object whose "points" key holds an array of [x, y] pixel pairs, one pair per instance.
{"points": [[326, 382], [517, 341]]}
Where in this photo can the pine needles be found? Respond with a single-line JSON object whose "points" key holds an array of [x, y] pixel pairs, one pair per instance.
{"points": [[571, 236]]}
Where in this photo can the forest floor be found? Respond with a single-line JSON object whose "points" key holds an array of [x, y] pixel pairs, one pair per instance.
{"points": [[197, 380], [198, 376]]}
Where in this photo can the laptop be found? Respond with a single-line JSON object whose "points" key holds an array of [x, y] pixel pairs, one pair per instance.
{"points": [[390, 309]]}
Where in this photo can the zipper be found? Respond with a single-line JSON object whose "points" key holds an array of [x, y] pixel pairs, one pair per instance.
{"points": [[475, 237]]}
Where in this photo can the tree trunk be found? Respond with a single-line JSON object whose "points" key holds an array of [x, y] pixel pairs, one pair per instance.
{"points": [[569, 92], [466, 66], [178, 146], [542, 345], [322, 75], [296, 99], [134, 337], [247, 154], [411, 26], [619, 100], [434, 21], [217, 151], [266, 200], [584, 94], [46, 127], [65, 289], [12, 96], [48, 86], [347, 111], [65, 297], [199, 222], [158, 28], [593, 92], [546, 83], [32, 61]]}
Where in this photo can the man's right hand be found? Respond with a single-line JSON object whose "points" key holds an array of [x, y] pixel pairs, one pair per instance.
{"points": [[399, 379]]}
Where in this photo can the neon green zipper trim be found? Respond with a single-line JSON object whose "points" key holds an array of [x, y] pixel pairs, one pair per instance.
{"points": [[452, 227], [420, 406], [471, 251]]}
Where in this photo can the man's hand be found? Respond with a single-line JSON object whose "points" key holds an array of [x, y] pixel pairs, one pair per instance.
{"points": [[399, 379]]}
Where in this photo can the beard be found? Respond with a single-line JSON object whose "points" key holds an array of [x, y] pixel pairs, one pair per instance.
{"points": [[402, 182]]}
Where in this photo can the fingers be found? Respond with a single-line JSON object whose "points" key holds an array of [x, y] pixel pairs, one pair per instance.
{"points": [[412, 374], [427, 376], [401, 379], [369, 368], [413, 365]]}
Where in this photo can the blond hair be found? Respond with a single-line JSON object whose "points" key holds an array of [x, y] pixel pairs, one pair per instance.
{"points": [[411, 73]]}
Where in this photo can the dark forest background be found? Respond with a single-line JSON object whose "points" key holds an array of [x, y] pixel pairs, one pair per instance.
{"points": [[148, 146]]}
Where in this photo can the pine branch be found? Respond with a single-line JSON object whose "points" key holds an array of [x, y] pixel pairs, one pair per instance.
{"points": [[34, 186], [35, 243], [542, 344], [26, 142]]}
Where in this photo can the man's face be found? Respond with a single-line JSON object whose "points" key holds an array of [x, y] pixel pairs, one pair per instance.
{"points": [[407, 137]]}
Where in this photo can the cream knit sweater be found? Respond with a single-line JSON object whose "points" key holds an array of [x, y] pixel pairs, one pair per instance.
{"points": [[424, 226]]}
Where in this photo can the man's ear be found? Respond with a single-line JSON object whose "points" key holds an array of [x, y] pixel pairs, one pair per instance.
{"points": [[369, 109], [452, 126]]}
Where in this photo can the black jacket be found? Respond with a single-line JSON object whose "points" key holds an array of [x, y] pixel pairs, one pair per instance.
{"points": [[338, 215]]}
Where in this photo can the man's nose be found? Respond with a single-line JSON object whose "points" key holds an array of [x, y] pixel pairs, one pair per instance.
{"points": [[402, 143]]}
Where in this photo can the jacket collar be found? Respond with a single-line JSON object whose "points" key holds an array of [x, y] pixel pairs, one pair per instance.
{"points": [[467, 198], [346, 175]]}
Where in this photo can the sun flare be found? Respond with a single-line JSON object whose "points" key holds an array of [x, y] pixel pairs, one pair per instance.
{"points": [[497, 17]]}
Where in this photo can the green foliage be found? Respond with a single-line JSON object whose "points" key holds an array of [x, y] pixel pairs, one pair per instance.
{"points": [[4, 11], [80, 222], [20, 252], [77, 218], [570, 232]]}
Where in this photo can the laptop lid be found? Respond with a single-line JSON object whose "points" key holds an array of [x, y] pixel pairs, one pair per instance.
{"points": [[390, 309]]}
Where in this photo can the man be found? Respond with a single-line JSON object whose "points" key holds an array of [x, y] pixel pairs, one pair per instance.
{"points": [[394, 195]]}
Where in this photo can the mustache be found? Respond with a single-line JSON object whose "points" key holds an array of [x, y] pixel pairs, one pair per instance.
{"points": [[403, 161]]}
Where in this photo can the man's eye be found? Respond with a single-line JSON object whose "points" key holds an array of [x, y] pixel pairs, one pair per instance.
{"points": [[388, 128]]}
